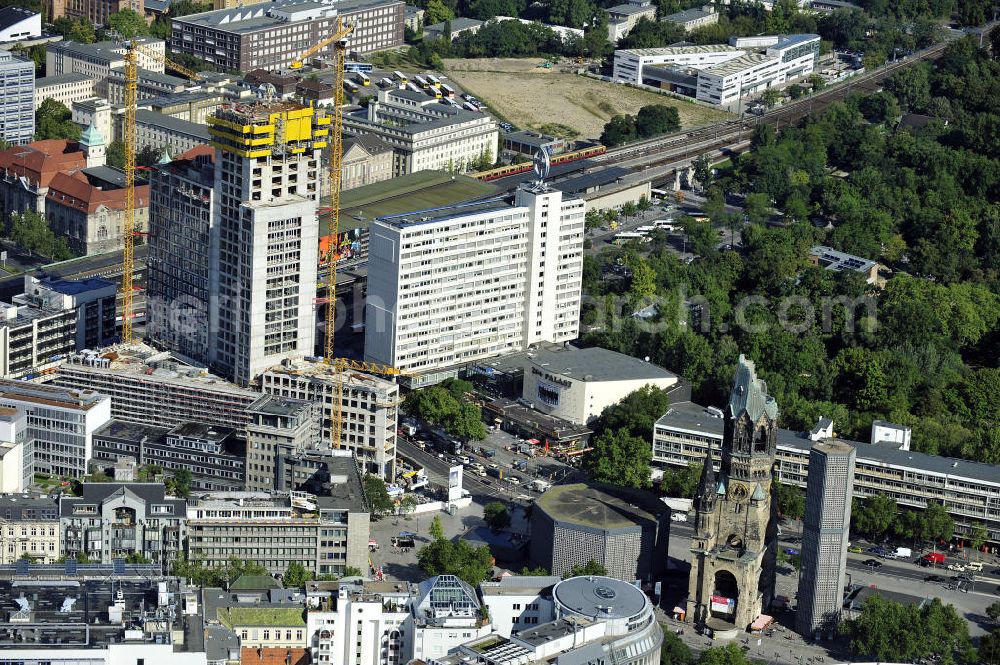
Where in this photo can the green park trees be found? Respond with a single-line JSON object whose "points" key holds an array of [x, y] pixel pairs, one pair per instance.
{"points": [[52, 121], [650, 121], [446, 405], [379, 501], [445, 557], [619, 458], [890, 632], [590, 568], [31, 231], [496, 515]]}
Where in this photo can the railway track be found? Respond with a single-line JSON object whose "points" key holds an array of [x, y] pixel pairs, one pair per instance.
{"points": [[678, 146]]}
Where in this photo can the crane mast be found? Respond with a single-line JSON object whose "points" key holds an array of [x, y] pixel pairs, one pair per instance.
{"points": [[128, 254], [129, 230]]}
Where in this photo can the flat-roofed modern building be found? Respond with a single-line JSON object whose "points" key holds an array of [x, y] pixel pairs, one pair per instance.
{"points": [[369, 409], [278, 426], [17, 105], [723, 74], [215, 455], [458, 284], [326, 534], [595, 620], [32, 338], [272, 34], [577, 384], [65, 88], [93, 299], [825, 537], [969, 491], [61, 424], [157, 387]]}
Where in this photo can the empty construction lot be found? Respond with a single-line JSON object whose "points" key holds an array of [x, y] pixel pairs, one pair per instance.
{"points": [[533, 97]]}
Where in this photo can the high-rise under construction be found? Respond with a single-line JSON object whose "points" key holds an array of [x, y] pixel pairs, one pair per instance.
{"points": [[267, 196]]}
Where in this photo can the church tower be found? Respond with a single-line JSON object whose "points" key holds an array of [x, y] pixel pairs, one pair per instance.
{"points": [[734, 547], [93, 145]]}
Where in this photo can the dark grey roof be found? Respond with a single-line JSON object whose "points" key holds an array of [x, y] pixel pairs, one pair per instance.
{"points": [[373, 145], [229, 20], [596, 508], [171, 124], [628, 9], [17, 507], [71, 77], [134, 432], [687, 15], [589, 181], [82, 623], [595, 364], [202, 431], [750, 393], [531, 138], [10, 16], [106, 175], [150, 493], [457, 25], [599, 597], [695, 418]]}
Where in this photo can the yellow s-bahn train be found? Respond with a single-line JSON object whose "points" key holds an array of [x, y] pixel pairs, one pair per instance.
{"points": [[515, 169]]}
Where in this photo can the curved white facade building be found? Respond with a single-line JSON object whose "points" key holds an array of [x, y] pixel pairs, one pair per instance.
{"points": [[631, 635]]}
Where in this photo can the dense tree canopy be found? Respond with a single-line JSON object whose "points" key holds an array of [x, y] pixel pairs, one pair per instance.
{"points": [[446, 405], [649, 122], [52, 121], [919, 349], [465, 561], [619, 458], [890, 632]]}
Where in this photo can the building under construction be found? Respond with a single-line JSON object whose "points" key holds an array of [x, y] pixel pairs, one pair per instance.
{"points": [[157, 387], [166, 389], [265, 223], [369, 409]]}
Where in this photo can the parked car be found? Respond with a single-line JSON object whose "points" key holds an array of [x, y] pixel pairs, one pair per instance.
{"points": [[957, 567], [513, 480], [854, 549], [934, 578], [873, 563]]}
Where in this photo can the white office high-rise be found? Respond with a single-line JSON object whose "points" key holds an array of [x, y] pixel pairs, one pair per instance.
{"points": [[472, 281]]}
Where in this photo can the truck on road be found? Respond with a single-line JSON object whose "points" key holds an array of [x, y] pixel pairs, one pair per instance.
{"points": [[932, 558], [539, 485], [903, 552], [495, 473]]}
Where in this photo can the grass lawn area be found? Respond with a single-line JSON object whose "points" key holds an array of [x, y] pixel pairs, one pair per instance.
{"points": [[532, 97], [416, 191]]}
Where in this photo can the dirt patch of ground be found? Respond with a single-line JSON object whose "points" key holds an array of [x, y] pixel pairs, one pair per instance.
{"points": [[530, 96]]}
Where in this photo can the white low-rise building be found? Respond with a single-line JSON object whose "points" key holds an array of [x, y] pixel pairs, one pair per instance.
{"points": [[363, 623], [578, 384], [17, 24], [517, 602], [65, 88], [725, 74]]}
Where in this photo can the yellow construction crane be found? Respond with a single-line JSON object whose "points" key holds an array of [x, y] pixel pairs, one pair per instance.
{"points": [[133, 48], [340, 366]]}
